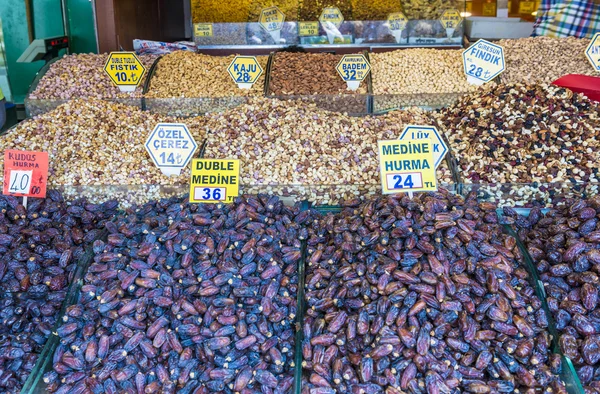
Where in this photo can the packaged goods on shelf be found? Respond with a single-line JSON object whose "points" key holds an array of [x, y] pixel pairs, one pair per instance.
{"points": [[522, 143], [94, 142], [220, 11], [544, 59], [425, 77], [186, 83], [423, 295], [313, 77], [80, 76], [563, 244], [41, 246], [296, 149], [206, 298]]}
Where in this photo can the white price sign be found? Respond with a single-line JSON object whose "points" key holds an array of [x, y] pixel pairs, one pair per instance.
{"points": [[20, 181]]}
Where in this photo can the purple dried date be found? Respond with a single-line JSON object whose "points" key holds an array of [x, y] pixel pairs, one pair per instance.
{"points": [[440, 305], [187, 298], [566, 241], [39, 248]]}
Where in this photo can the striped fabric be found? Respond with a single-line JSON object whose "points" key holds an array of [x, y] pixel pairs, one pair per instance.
{"points": [[564, 18]]}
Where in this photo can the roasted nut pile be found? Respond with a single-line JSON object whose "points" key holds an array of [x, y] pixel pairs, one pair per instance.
{"points": [[296, 73], [422, 71], [544, 59], [292, 143], [187, 298], [515, 134], [199, 76], [314, 75], [429, 77], [421, 295], [39, 249], [82, 76], [565, 246], [95, 142]]}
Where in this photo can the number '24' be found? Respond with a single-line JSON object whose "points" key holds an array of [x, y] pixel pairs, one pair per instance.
{"points": [[407, 182]]}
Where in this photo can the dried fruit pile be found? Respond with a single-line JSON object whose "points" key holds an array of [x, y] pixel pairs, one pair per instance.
{"points": [[422, 294], [187, 298], [39, 249], [565, 246]]}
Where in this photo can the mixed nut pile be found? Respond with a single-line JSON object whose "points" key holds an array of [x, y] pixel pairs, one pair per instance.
{"points": [[40, 247], [524, 134], [95, 142], [421, 295], [564, 244], [320, 155]]}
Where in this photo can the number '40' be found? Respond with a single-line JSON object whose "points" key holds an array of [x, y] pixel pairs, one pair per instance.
{"points": [[401, 185]]}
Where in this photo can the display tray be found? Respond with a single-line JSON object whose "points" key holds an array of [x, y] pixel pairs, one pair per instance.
{"points": [[38, 106]]}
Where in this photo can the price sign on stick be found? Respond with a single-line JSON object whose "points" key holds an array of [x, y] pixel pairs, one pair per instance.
{"points": [[125, 70], [407, 166], [483, 61], [353, 69], [171, 146], [414, 132], [450, 20], [593, 52], [245, 71], [397, 22], [214, 180], [271, 19], [25, 174]]}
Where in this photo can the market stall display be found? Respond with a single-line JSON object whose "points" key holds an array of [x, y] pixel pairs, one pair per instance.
{"points": [[525, 143], [295, 149], [41, 246], [423, 295], [80, 76], [313, 77], [425, 77], [544, 59], [563, 244], [205, 301], [200, 84]]}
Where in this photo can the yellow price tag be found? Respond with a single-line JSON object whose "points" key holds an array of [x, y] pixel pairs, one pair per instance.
{"points": [[308, 29], [333, 15], [526, 7], [353, 69], [397, 21], [271, 18], [214, 180], [406, 166], [450, 19], [489, 9], [245, 71], [593, 52], [203, 30], [124, 69]]}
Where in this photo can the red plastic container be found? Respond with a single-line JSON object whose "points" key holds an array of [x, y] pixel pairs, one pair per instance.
{"points": [[590, 86]]}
